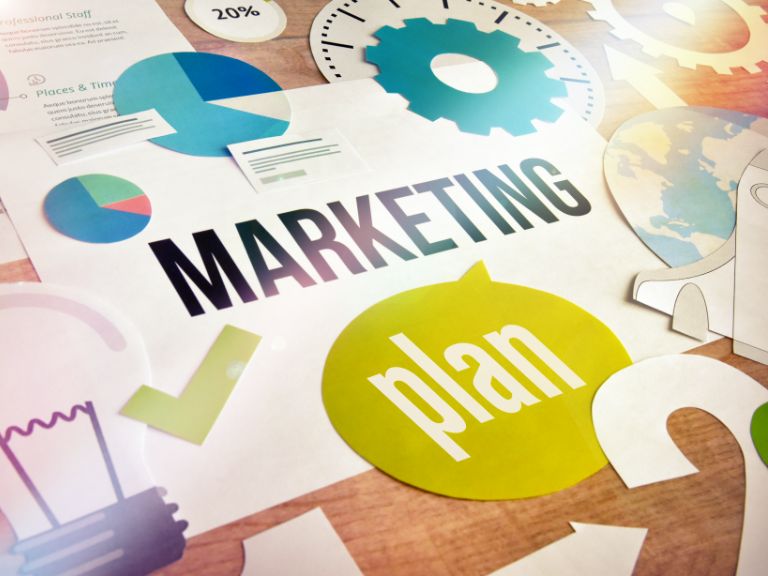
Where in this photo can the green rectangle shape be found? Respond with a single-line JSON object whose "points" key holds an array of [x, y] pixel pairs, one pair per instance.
{"points": [[283, 176]]}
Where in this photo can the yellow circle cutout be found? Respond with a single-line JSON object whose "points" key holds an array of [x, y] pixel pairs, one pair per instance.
{"points": [[473, 389]]}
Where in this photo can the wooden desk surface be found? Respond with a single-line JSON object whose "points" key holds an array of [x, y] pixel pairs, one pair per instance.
{"points": [[694, 523]]}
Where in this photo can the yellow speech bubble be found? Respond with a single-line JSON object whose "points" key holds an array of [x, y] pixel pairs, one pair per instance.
{"points": [[473, 389]]}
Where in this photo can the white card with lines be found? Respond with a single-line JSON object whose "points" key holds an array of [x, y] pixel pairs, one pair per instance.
{"points": [[85, 140], [297, 159]]}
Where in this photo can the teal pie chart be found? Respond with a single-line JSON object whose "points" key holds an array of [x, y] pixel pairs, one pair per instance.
{"points": [[190, 90], [97, 208]]}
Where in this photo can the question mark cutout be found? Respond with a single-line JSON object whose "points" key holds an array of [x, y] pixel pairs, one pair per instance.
{"points": [[630, 413]]}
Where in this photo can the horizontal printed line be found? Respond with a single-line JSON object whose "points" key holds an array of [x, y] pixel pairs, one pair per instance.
{"points": [[49, 142], [282, 145]]}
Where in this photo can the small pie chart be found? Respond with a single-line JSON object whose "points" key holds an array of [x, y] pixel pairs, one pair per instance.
{"points": [[97, 208], [190, 90]]}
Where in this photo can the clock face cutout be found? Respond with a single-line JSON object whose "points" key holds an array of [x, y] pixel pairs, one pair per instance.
{"points": [[343, 30]]}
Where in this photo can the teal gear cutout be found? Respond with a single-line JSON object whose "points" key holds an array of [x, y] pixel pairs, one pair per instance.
{"points": [[523, 91]]}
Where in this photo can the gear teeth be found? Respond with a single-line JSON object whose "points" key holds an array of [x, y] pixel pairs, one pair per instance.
{"points": [[595, 15], [651, 51], [424, 110], [417, 23], [384, 33], [473, 127], [520, 128], [722, 69], [620, 34], [558, 89], [552, 113], [541, 61], [392, 85], [747, 57], [409, 75], [370, 53], [462, 26], [510, 41], [687, 62]]}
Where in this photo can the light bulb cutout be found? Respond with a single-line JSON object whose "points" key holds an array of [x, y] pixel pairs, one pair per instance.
{"points": [[73, 482]]}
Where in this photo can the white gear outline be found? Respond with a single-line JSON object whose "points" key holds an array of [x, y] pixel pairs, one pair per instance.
{"points": [[747, 57], [534, 2]]}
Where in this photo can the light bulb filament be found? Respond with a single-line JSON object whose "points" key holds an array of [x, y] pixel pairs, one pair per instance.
{"points": [[87, 409]]}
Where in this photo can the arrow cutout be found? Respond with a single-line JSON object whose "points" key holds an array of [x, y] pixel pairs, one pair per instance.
{"points": [[643, 78], [591, 549], [192, 415]]}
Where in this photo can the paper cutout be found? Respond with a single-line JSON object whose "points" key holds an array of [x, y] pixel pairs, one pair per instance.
{"points": [[187, 89], [192, 415], [404, 58], [473, 389], [748, 56], [712, 277], [304, 546], [73, 482], [247, 21], [750, 314], [630, 415], [690, 314], [341, 32], [701, 296], [67, 78], [673, 173], [87, 140], [204, 200], [759, 430], [97, 208], [591, 549], [643, 78], [297, 159]]}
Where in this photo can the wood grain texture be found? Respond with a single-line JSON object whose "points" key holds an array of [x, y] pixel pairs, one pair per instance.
{"points": [[392, 529]]}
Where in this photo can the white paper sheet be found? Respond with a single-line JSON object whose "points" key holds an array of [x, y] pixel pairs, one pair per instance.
{"points": [[60, 57], [297, 160], [305, 546], [273, 440], [85, 140]]}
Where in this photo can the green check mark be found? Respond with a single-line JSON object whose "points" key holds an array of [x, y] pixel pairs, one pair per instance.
{"points": [[192, 415], [759, 431]]}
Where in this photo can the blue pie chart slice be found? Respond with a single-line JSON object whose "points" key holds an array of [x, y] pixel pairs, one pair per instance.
{"points": [[97, 208], [181, 86]]}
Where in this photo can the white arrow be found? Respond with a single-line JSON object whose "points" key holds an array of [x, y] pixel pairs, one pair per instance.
{"points": [[643, 78], [591, 549], [630, 413]]}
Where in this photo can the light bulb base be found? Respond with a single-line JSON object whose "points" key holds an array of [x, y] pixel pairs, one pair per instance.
{"points": [[133, 537]]}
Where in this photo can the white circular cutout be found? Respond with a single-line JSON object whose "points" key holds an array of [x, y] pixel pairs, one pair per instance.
{"points": [[452, 70], [238, 21]]}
